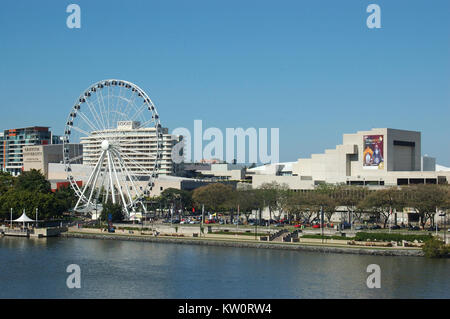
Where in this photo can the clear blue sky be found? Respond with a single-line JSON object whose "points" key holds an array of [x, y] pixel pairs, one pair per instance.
{"points": [[311, 68]]}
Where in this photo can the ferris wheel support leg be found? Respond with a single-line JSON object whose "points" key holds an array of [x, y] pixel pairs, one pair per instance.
{"points": [[129, 177], [119, 189], [110, 178], [143, 206], [102, 157], [121, 166], [88, 182]]}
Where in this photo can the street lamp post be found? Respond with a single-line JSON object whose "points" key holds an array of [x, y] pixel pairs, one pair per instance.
{"points": [[445, 226], [256, 225], [321, 221]]}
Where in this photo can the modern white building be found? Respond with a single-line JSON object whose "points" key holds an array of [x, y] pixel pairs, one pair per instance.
{"points": [[379, 157], [138, 146]]}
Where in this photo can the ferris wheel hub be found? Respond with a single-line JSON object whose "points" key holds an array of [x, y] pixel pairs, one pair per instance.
{"points": [[105, 145]]}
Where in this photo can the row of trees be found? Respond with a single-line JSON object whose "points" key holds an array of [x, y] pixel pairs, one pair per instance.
{"points": [[425, 200], [29, 191]]}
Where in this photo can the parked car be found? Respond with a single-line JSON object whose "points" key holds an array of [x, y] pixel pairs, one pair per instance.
{"points": [[395, 227], [278, 225], [431, 228], [373, 227], [361, 227], [414, 228], [346, 225]]}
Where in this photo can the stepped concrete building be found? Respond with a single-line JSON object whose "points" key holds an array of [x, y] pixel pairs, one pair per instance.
{"points": [[379, 157]]}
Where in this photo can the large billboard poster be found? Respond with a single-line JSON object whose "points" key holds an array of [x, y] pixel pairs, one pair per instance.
{"points": [[373, 156]]}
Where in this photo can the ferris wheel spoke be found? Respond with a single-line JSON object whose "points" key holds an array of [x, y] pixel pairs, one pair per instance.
{"points": [[116, 106], [130, 100], [94, 184], [123, 164], [105, 111], [141, 125], [95, 115], [81, 131], [102, 111], [110, 178], [127, 150], [76, 158], [139, 111], [144, 170], [119, 187], [88, 122], [101, 188], [125, 174], [109, 108], [89, 181]]}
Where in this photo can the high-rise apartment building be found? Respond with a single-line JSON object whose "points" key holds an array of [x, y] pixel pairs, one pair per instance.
{"points": [[14, 140]]}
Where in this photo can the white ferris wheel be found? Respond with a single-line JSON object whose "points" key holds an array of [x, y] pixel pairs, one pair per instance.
{"points": [[121, 136]]}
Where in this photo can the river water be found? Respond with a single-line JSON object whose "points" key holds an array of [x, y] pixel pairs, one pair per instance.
{"points": [[36, 268]]}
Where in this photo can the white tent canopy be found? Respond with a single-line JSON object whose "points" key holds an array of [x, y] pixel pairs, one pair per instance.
{"points": [[24, 218]]}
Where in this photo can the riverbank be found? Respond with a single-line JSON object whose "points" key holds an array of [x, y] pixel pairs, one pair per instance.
{"points": [[320, 248]]}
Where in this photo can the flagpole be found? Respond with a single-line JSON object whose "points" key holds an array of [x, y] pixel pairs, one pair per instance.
{"points": [[203, 217]]}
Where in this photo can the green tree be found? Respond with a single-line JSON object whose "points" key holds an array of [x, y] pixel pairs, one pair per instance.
{"points": [[34, 181], [6, 182], [213, 196], [115, 210], [436, 248], [248, 201], [383, 202], [274, 197], [46, 203], [426, 199], [173, 196]]}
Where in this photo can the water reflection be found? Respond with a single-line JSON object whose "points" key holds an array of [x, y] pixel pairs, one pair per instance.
{"points": [[119, 269]]}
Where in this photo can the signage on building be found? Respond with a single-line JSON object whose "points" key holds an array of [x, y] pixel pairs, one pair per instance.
{"points": [[127, 125], [373, 154], [32, 154]]}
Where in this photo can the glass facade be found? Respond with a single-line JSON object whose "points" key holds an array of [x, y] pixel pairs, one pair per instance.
{"points": [[15, 139]]}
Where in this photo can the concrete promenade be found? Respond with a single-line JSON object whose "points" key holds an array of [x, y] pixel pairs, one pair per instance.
{"points": [[248, 243]]}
